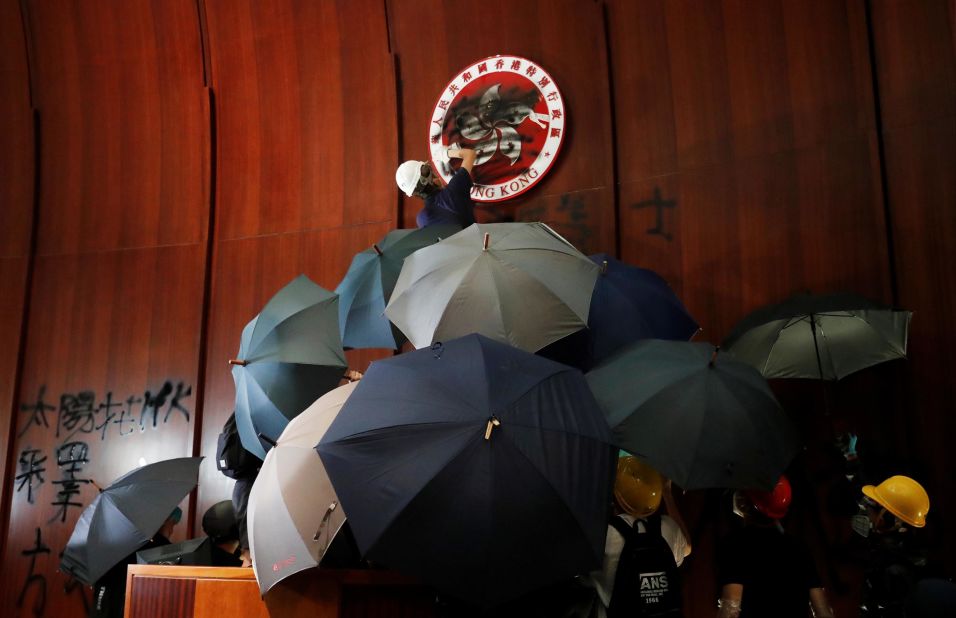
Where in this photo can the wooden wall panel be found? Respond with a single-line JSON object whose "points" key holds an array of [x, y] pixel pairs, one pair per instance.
{"points": [[17, 155], [114, 324], [746, 151], [434, 40], [306, 115], [748, 170], [307, 142], [116, 297], [137, 118], [915, 46]]}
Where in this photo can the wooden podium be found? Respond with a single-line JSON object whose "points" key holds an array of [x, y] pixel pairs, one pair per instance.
{"points": [[155, 591]]}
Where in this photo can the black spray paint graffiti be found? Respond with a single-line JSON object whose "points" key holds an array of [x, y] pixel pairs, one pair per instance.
{"points": [[31, 472], [70, 457], [79, 413], [658, 204], [35, 579]]}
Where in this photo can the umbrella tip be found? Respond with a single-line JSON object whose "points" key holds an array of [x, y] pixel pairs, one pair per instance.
{"points": [[713, 357], [235, 361], [484, 246], [377, 249], [604, 267]]}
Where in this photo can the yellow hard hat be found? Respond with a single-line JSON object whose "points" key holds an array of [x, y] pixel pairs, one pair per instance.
{"points": [[903, 497], [637, 487]]}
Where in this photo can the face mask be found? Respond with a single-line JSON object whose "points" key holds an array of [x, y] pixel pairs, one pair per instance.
{"points": [[861, 524]]}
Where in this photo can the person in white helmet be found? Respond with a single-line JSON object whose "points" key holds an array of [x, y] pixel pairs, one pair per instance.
{"points": [[452, 204]]}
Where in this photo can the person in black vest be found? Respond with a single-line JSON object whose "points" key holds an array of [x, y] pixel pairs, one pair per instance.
{"points": [[893, 558], [762, 571], [643, 548]]}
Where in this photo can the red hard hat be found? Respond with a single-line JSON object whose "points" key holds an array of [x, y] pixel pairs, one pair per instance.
{"points": [[773, 504]]}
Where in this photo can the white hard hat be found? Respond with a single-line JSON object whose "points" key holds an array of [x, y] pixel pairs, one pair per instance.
{"points": [[407, 176]]}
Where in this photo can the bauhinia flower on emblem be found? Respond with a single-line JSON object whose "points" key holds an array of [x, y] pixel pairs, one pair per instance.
{"points": [[493, 126]]}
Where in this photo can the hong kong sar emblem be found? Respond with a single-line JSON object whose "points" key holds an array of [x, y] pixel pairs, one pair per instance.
{"points": [[511, 112]]}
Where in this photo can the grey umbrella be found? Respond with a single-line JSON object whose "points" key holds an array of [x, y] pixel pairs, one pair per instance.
{"points": [[826, 337], [289, 355], [518, 283], [126, 515], [293, 511], [702, 419]]}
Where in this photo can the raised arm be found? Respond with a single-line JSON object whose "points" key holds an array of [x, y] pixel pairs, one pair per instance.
{"points": [[467, 156]]}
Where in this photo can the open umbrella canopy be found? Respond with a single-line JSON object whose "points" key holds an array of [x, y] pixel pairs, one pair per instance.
{"points": [[368, 284], [518, 283], [126, 515], [293, 511], [289, 355], [700, 418], [628, 304], [826, 337], [477, 467]]}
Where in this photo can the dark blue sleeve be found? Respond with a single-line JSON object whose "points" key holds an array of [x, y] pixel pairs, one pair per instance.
{"points": [[459, 194]]}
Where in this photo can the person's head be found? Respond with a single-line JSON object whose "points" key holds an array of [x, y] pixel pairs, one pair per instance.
{"points": [[219, 523], [417, 178], [637, 487], [167, 528], [896, 502], [764, 507]]}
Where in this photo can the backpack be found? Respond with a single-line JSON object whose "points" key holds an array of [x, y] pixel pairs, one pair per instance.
{"points": [[232, 458], [647, 582]]}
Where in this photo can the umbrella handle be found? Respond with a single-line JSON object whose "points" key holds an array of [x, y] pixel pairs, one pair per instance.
{"points": [[324, 523], [492, 423]]}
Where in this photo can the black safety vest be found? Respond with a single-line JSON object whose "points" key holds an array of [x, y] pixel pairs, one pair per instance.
{"points": [[647, 583]]}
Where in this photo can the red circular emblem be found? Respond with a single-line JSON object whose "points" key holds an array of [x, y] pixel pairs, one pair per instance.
{"points": [[508, 109]]}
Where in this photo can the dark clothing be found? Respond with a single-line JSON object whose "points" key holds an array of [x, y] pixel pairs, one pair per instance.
{"points": [[222, 558], [892, 566], [109, 591], [775, 569], [452, 204], [240, 502]]}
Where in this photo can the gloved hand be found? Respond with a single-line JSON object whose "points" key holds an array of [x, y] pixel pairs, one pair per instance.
{"points": [[448, 153]]}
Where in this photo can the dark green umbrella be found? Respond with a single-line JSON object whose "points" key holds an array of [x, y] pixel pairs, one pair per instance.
{"points": [[825, 337], [369, 282], [289, 355], [700, 418], [125, 515]]}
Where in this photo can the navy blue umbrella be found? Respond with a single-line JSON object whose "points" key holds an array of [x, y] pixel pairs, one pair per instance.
{"points": [[628, 304], [482, 469]]}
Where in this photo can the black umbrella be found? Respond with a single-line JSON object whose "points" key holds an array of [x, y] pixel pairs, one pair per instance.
{"points": [[194, 552], [826, 337], [701, 419], [477, 467], [126, 515]]}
